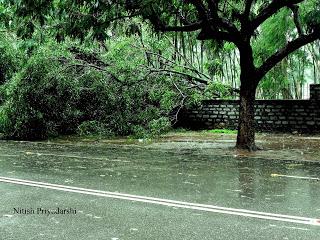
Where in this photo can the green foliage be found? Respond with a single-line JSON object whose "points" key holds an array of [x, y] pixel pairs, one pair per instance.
{"points": [[41, 99], [6, 13], [61, 92], [273, 35], [10, 58], [93, 128], [215, 88], [159, 126], [311, 15]]}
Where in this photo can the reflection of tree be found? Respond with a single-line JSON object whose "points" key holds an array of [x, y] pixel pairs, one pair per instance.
{"points": [[272, 187], [256, 180], [246, 178]]}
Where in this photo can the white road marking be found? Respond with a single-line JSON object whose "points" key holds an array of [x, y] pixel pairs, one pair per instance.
{"points": [[295, 228], [297, 177], [167, 202]]}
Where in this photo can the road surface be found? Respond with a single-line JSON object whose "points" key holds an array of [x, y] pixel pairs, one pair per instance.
{"points": [[103, 191]]}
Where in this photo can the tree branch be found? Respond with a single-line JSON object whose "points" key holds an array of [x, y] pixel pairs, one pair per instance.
{"points": [[213, 27], [177, 65], [181, 105], [200, 80], [213, 7], [228, 26], [271, 9], [247, 9], [201, 9], [206, 34], [285, 51], [295, 11], [221, 23], [186, 28]]}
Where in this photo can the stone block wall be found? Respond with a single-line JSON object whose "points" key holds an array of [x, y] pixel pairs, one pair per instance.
{"points": [[271, 115], [315, 92]]}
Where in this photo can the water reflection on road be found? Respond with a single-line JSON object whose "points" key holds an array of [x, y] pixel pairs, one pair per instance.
{"points": [[194, 172]]}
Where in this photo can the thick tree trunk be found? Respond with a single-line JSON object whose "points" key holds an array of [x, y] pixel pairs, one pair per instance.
{"points": [[246, 126], [249, 83]]}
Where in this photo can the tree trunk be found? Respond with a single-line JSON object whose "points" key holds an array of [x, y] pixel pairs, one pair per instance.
{"points": [[249, 82], [246, 126]]}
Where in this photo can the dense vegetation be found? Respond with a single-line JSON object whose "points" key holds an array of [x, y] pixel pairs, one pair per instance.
{"points": [[90, 67], [53, 88]]}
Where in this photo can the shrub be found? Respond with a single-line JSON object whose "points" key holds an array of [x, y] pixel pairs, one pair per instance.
{"points": [[10, 58], [94, 128], [66, 89], [40, 99]]}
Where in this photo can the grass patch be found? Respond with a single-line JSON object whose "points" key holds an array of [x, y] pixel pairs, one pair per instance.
{"points": [[180, 130], [225, 131]]}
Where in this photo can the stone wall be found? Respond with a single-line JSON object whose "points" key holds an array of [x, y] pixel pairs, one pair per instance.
{"points": [[271, 115]]}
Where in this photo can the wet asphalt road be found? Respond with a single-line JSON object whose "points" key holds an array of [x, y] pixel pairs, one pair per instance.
{"points": [[199, 174]]}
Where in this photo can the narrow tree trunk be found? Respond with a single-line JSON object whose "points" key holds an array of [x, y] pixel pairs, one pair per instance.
{"points": [[246, 126]]}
